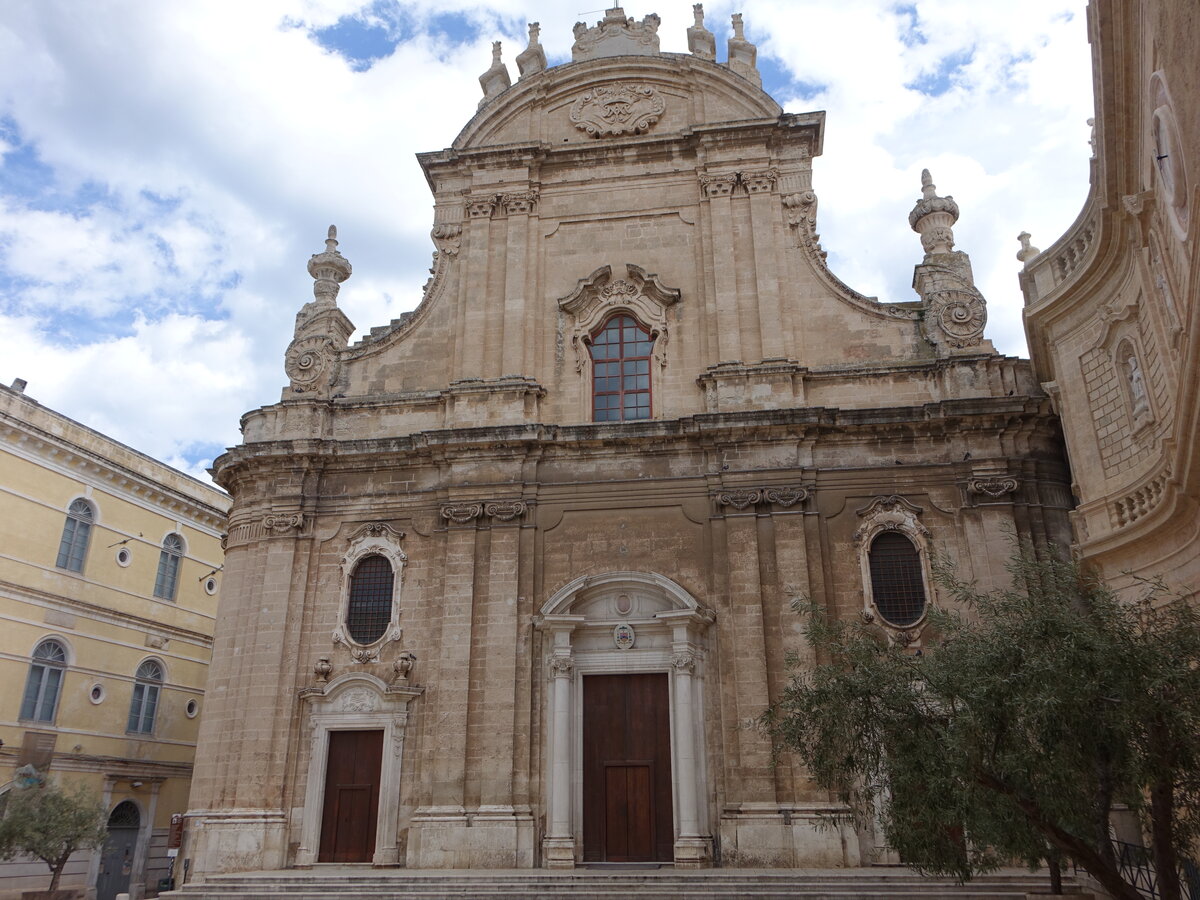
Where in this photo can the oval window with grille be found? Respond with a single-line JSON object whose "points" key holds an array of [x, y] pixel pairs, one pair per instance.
{"points": [[370, 607], [897, 583]]}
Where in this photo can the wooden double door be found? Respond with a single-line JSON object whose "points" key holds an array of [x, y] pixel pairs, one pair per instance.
{"points": [[351, 811], [627, 809]]}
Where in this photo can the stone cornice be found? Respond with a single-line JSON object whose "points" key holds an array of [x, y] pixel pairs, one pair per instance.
{"points": [[20, 436], [938, 418]]}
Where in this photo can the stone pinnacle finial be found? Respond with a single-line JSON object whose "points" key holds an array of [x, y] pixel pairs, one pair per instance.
{"points": [[928, 188], [1027, 251], [933, 217], [328, 269], [532, 59], [701, 41], [496, 78], [743, 55]]}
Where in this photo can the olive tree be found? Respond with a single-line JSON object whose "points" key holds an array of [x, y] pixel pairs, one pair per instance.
{"points": [[50, 822], [1029, 712]]}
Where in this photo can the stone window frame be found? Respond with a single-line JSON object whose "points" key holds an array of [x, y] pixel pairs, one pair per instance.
{"points": [[893, 513], [375, 539], [649, 358], [76, 535], [170, 562], [45, 664], [595, 300], [149, 695]]}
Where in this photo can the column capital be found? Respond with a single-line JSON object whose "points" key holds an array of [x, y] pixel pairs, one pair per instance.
{"points": [[562, 666]]}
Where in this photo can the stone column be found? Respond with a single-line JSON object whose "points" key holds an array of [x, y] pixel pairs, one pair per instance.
{"points": [[691, 848], [558, 846]]}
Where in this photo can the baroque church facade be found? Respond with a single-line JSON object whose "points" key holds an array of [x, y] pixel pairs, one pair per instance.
{"points": [[509, 579]]}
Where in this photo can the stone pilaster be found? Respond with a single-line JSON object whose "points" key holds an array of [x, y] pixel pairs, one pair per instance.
{"points": [[520, 207], [718, 192], [760, 185], [473, 321]]}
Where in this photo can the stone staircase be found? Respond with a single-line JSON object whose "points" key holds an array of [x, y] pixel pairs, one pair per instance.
{"points": [[353, 882]]}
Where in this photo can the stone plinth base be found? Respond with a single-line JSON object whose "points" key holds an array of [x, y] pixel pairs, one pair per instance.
{"points": [[489, 838], [771, 384], [476, 402], [768, 836], [558, 853], [693, 853], [237, 840]]}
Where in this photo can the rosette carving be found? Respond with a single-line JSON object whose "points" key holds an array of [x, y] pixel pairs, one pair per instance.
{"points": [[959, 316], [308, 359], [617, 109]]}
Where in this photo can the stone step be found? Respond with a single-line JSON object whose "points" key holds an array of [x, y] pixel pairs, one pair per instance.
{"points": [[351, 883]]}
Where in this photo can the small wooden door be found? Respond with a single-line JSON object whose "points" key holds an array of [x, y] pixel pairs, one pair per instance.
{"points": [[627, 769], [351, 810]]}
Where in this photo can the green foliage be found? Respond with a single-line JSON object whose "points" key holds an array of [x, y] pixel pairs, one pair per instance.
{"points": [[1028, 714], [51, 822]]}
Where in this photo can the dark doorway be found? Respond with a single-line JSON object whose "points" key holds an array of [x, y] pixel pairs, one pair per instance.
{"points": [[116, 859], [627, 812], [351, 809]]}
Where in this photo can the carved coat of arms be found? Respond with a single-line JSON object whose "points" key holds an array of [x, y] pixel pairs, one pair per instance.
{"points": [[616, 109]]}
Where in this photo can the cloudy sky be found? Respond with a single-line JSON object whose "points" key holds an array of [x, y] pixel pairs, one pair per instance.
{"points": [[168, 166]]}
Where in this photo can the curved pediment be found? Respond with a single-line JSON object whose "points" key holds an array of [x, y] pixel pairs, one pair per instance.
{"points": [[616, 97], [647, 593]]}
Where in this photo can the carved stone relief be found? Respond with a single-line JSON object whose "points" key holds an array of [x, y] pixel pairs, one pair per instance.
{"points": [[597, 296], [617, 109]]}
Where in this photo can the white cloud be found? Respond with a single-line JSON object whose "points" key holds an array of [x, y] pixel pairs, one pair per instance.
{"points": [[223, 140]]}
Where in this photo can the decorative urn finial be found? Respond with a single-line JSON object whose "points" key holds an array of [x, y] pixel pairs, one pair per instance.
{"points": [[933, 217], [329, 269]]}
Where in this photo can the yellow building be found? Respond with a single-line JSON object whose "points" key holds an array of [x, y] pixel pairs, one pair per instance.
{"points": [[110, 567]]}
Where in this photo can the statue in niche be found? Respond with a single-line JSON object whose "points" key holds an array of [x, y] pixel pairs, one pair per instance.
{"points": [[1137, 386]]}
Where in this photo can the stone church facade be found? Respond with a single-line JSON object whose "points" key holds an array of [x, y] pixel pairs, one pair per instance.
{"points": [[509, 579]]}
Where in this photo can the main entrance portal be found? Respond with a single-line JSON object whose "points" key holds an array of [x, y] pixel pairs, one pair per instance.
{"points": [[627, 811], [351, 809]]}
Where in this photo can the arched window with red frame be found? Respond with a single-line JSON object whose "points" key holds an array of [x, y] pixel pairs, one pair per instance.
{"points": [[621, 351]]}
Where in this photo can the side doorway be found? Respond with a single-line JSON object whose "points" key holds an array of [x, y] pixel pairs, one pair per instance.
{"points": [[627, 803], [116, 859], [350, 813]]}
